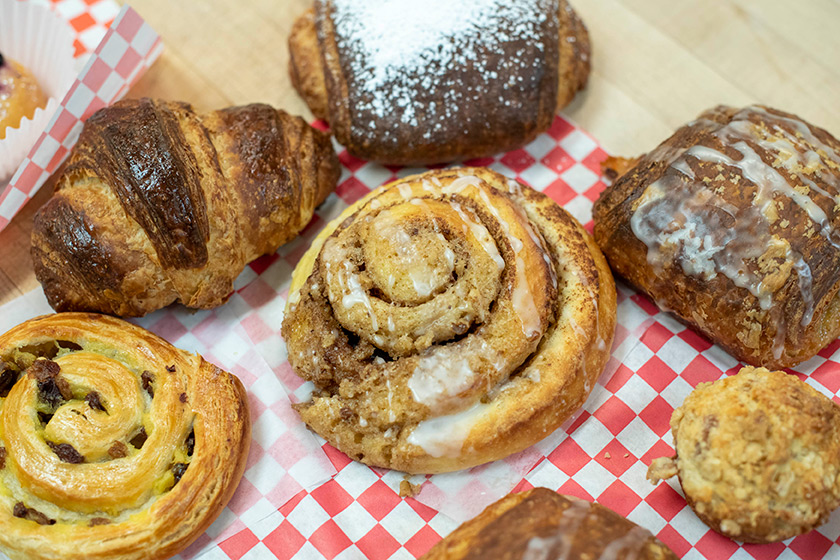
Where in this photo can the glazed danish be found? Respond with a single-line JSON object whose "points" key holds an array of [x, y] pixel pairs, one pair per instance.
{"points": [[115, 444], [732, 224], [448, 319], [542, 525]]}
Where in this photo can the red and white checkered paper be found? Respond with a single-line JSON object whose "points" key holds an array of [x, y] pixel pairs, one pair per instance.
{"points": [[343, 509], [127, 46]]}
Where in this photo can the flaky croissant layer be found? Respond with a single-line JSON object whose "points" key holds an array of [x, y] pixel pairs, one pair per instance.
{"points": [[158, 204]]}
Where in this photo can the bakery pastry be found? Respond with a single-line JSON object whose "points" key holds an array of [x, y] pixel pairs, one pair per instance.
{"points": [[404, 82], [731, 224], [448, 319], [114, 443], [20, 95], [158, 204], [756, 455], [541, 524]]}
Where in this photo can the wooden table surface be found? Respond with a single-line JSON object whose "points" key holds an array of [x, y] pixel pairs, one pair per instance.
{"points": [[656, 64]]}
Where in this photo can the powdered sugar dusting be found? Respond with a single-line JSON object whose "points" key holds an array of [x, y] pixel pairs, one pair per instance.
{"points": [[418, 64]]}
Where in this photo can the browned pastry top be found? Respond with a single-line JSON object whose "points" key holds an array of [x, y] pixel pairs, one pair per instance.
{"points": [[113, 443], [418, 82], [158, 203], [141, 151], [756, 454], [732, 224], [541, 524], [407, 63], [448, 319]]}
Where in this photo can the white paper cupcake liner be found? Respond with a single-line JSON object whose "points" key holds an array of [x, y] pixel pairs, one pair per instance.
{"points": [[42, 42]]}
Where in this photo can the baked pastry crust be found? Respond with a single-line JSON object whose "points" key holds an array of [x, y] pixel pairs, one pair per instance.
{"points": [[158, 203], [448, 319], [115, 443], [731, 224], [756, 455], [540, 523], [459, 105]]}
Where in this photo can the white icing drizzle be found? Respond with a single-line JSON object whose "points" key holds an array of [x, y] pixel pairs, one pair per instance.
{"points": [[480, 233], [425, 278], [443, 372], [559, 545], [462, 183], [631, 543], [522, 298], [354, 294], [674, 213], [444, 436]]}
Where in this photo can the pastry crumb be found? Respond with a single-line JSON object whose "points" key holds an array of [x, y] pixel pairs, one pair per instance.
{"points": [[407, 489], [662, 468]]}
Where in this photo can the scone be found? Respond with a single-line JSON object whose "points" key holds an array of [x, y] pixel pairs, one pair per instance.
{"points": [[448, 319], [405, 82], [541, 524], [756, 455], [113, 443], [20, 95], [732, 224]]}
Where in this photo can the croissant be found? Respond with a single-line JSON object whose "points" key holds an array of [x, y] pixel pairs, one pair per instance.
{"points": [[113, 443], [541, 524], [731, 224], [404, 82], [448, 319], [158, 203]]}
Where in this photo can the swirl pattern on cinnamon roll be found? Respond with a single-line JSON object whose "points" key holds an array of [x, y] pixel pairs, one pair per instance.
{"points": [[448, 319], [115, 444]]}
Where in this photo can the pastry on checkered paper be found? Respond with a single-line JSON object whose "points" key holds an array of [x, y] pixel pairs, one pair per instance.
{"points": [[406, 82], [113, 443], [542, 525], [159, 203], [732, 224], [756, 455], [448, 319]]}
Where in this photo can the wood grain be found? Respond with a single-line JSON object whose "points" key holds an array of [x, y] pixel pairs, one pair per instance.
{"points": [[656, 65]]}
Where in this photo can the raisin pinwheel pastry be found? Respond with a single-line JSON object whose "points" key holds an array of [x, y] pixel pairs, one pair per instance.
{"points": [[732, 224], [113, 443], [407, 82], [448, 319]]}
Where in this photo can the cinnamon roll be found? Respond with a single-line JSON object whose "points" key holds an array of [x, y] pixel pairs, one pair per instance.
{"points": [[114, 443], [448, 319]]}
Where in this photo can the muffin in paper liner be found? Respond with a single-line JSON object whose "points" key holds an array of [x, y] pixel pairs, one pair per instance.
{"points": [[41, 42]]}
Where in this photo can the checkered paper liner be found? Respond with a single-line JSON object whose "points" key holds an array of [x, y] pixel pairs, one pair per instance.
{"points": [[601, 454], [284, 457], [126, 50], [338, 508]]}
